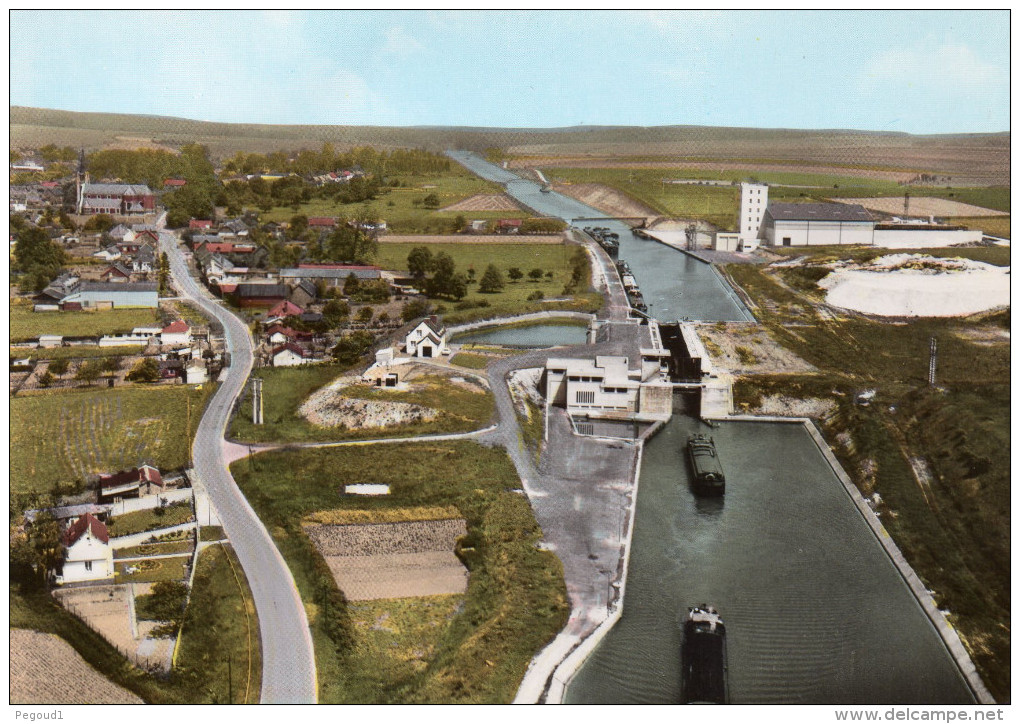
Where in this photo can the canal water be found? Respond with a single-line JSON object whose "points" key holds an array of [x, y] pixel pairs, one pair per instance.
{"points": [[535, 336], [815, 611], [674, 285]]}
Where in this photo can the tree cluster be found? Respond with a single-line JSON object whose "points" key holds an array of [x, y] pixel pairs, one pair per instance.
{"points": [[37, 258]]}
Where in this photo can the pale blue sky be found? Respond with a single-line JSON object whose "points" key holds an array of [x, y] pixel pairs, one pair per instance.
{"points": [[920, 72]]}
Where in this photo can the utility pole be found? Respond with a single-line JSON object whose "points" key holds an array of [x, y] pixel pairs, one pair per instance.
{"points": [[230, 682], [256, 401], [932, 359]]}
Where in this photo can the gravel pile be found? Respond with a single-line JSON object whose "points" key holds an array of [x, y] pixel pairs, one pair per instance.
{"points": [[331, 411], [387, 538]]}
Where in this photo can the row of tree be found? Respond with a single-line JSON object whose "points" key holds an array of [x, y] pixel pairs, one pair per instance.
{"points": [[308, 162]]}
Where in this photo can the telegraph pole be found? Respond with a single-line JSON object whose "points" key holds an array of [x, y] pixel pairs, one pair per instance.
{"points": [[932, 359], [256, 401]]}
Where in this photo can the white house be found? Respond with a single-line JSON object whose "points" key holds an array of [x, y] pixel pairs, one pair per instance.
{"points": [[196, 372], [110, 253], [816, 225], [607, 387], [87, 552], [175, 333], [289, 355], [427, 339]]}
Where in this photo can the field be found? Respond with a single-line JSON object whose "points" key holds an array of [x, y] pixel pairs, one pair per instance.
{"points": [[983, 158], [485, 202], [922, 206], [26, 324], [470, 361], [46, 670], [78, 351], [460, 410], [513, 299], [67, 436], [953, 528], [993, 225], [401, 207], [516, 600]]}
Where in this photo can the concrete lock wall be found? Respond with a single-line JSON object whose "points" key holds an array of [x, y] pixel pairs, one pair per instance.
{"points": [[656, 401]]}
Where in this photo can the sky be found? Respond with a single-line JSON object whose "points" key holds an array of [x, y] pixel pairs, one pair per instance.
{"points": [[916, 71]]}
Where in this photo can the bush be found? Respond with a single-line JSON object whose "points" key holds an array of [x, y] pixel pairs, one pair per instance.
{"points": [[536, 296]]}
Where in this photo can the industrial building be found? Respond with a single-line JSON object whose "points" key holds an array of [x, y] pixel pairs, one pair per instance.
{"points": [[762, 223], [606, 387], [111, 295]]}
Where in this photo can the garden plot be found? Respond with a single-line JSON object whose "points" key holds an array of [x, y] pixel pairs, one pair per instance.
{"points": [[107, 610], [909, 285], [393, 560], [45, 669]]}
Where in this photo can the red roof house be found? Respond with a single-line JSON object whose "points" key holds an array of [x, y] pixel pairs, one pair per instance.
{"points": [[285, 309], [200, 224], [87, 522], [322, 221], [174, 183], [129, 483]]}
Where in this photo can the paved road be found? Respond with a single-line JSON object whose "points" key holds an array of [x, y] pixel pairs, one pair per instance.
{"points": [[288, 657]]}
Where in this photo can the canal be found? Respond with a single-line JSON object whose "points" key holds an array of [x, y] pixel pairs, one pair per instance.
{"points": [[815, 611], [673, 284]]}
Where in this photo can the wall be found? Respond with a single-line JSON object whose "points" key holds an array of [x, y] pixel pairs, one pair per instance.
{"points": [[819, 233], [149, 502], [924, 238]]}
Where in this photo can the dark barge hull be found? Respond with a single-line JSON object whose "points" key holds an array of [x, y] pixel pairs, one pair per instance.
{"points": [[704, 665]]}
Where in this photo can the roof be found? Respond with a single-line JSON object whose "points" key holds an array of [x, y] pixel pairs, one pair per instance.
{"points": [[145, 473], [117, 190], [285, 309], [292, 347], [287, 332], [145, 253], [433, 324], [262, 290], [321, 221], [177, 327], [119, 287], [338, 266], [818, 212], [174, 182], [118, 268], [87, 522], [199, 224]]}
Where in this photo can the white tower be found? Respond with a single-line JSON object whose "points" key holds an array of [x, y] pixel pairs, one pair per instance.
{"points": [[754, 198]]}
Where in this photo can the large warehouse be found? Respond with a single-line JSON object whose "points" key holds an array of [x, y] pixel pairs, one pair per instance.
{"points": [[766, 223]]}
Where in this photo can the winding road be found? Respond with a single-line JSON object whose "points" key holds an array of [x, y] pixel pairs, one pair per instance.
{"points": [[288, 657]]}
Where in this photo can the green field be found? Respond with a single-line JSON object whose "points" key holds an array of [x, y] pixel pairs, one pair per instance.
{"points": [[470, 361], [283, 391], [78, 351], [516, 600], [513, 299], [396, 206], [719, 204], [460, 410], [26, 324], [59, 437], [957, 539], [152, 570], [993, 225]]}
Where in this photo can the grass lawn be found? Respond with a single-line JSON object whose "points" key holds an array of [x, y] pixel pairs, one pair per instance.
{"points": [[513, 299], [460, 410], [516, 601], [396, 206], [26, 324], [471, 361], [152, 570], [220, 622], [142, 520], [211, 533], [283, 391], [155, 549], [69, 435], [82, 351], [958, 539], [992, 225]]}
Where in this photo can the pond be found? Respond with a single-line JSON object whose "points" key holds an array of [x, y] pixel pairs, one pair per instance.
{"points": [[534, 336]]}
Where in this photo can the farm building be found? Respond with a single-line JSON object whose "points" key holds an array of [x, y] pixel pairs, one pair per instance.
{"points": [[134, 483], [333, 274], [116, 295], [87, 552], [427, 339], [260, 295]]}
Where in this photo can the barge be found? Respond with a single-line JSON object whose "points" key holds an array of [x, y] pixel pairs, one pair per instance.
{"points": [[709, 478], [704, 657]]}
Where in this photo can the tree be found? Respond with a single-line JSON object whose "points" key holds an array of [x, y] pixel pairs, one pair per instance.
{"points": [[145, 371], [431, 201], [351, 347], [37, 257], [536, 274], [88, 373], [414, 309], [46, 379], [164, 273], [166, 603], [457, 287], [459, 223], [419, 262], [514, 273], [335, 312], [351, 285], [492, 280], [365, 315], [100, 222], [298, 225], [58, 367]]}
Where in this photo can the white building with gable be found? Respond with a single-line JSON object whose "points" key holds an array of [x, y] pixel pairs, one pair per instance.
{"points": [[87, 552]]}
